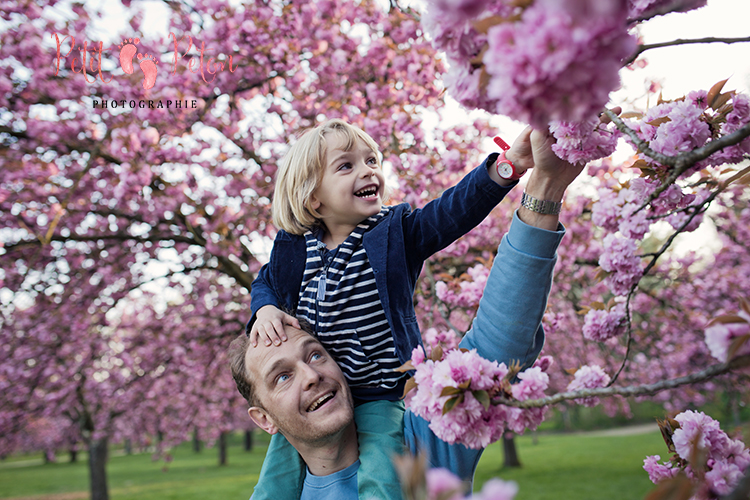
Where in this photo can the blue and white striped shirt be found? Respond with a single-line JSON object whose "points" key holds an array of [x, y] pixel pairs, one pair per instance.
{"points": [[339, 298]]}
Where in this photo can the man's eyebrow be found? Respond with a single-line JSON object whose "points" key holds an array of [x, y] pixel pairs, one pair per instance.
{"points": [[311, 340], [279, 363], [275, 366]]}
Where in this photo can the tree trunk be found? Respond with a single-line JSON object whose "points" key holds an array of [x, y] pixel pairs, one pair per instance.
{"points": [[733, 408], [73, 454], [196, 441], [98, 469], [222, 448], [248, 440], [128, 447], [509, 447]]}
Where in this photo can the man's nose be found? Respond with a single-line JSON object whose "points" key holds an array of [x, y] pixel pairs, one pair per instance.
{"points": [[310, 376]]}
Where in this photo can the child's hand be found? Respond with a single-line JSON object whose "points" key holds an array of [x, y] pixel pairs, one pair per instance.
{"points": [[521, 153], [269, 326]]}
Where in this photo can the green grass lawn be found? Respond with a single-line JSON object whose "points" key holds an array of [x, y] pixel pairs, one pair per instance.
{"points": [[558, 466], [576, 466]]}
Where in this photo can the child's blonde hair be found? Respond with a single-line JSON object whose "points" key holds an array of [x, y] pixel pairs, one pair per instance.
{"points": [[301, 172]]}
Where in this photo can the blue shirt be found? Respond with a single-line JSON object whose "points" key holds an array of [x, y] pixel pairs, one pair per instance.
{"points": [[336, 485]]}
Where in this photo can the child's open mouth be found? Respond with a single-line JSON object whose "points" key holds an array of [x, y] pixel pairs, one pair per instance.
{"points": [[368, 192]]}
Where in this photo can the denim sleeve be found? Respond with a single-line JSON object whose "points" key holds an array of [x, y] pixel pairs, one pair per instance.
{"points": [[456, 212], [508, 324], [507, 327], [262, 291]]}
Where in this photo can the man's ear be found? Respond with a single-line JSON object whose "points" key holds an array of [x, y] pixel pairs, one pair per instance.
{"points": [[262, 419]]}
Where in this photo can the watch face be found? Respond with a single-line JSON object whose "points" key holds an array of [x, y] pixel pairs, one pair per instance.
{"points": [[504, 170]]}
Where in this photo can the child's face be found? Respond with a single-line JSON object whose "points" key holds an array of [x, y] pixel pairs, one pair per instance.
{"points": [[352, 186]]}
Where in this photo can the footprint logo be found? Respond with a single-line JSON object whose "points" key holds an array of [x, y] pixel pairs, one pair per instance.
{"points": [[148, 66], [127, 51]]}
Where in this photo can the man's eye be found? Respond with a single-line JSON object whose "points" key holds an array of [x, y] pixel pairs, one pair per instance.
{"points": [[282, 378], [316, 356]]}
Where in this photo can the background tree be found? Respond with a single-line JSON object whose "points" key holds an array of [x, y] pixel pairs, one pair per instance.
{"points": [[130, 235]]}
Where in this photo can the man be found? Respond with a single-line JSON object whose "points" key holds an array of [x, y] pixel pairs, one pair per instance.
{"points": [[297, 389]]}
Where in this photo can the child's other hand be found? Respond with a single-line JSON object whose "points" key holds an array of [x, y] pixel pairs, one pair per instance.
{"points": [[269, 326]]}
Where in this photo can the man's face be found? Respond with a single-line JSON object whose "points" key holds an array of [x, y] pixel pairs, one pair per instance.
{"points": [[301, 389]]}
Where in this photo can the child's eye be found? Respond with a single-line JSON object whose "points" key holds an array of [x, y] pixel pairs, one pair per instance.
{"points": [[372, 161], [344, 166]]}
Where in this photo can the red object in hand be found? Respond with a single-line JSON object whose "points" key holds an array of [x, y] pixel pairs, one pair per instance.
{"points": [[503, 145]]}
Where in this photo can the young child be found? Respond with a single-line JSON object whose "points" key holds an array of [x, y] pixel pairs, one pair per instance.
{"points": [[348, 266]]}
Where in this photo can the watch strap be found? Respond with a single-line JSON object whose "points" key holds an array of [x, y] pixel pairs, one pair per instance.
{"points": [[545, 207]]}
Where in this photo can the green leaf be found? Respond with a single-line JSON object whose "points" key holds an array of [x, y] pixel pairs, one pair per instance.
{"points": [[483, 397], [450, 391], [452, 402]]}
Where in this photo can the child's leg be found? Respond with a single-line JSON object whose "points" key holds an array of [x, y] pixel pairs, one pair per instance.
{"points": [[282, 474], [380, 429]]}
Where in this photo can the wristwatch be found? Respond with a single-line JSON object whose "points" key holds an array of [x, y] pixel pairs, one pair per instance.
{"points": [[504, 167]]}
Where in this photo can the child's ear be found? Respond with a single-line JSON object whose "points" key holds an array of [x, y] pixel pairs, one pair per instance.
{"points": [[314, 202], [262, 419]]}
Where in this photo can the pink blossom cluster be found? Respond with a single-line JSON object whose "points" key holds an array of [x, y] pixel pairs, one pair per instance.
{"points": [[617, 211], [603, 324], [433, 338], [464, 293], [442, 484], [584, 141], [588, 377], [685, 124], [467, 383], [614, 211], [556, 61], [620, 259], [559, 62], [721, 336], [726, 459]]}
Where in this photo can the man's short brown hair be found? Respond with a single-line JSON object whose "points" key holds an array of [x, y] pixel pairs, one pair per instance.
{"points": [[237, 353]]}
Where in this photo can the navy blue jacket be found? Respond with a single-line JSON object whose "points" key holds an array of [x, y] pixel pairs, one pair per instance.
{"points": [[396, 247]]}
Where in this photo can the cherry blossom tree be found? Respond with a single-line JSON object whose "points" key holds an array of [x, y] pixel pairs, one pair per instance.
{"points": [[135, 186], [628, 316], [132, 230]]}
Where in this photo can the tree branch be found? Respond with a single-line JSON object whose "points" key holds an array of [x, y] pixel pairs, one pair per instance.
{"points": [[680, 41], [633, 390], [683, 161]]}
